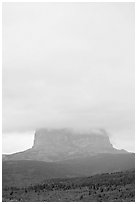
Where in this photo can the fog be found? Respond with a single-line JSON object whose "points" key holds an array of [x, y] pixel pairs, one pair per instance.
{"points": [[68, 65]]}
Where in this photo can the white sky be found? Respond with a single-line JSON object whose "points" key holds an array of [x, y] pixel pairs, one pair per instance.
{"points": [[68, 65]]}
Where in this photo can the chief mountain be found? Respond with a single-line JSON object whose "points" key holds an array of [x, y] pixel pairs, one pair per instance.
{"points": [[62, 144], [65, 153]]}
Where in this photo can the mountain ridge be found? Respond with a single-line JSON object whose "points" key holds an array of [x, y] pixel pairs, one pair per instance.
{"points": [[52, 145]]}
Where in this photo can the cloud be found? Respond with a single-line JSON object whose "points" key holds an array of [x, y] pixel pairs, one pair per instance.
{"points": [[68, 64]]}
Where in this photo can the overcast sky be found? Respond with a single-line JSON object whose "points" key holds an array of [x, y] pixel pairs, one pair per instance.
{"points": [[68, 65]]}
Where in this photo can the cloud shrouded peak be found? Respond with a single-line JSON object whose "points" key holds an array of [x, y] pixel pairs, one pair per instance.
{"points": [[69, 65]]}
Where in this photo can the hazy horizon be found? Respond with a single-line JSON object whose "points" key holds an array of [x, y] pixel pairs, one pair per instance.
{"points": [[68, 65], [30, 142]]}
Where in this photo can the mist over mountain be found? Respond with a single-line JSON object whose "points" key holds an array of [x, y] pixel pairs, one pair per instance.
{"points": [[68, 65], [61, 144], [63, 153]]}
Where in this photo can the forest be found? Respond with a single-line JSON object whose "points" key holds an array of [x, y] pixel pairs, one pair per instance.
{"points": [[106, 187]]}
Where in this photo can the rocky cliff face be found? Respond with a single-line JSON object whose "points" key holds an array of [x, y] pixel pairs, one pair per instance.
{"points": [[67, 141], [61, 144]]}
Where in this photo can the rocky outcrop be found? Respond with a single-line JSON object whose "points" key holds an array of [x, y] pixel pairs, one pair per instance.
{"points": [[61, 144]]}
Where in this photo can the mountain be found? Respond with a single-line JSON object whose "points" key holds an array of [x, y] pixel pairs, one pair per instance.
{"points": [[61, 153], [62, 144]]}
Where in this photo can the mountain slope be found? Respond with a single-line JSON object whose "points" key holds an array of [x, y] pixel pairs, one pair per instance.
{"points": [[62, 144], [22, 173]]}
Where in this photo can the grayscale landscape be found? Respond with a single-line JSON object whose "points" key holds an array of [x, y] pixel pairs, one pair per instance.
{"points": [[61, 166], [68, 112]]}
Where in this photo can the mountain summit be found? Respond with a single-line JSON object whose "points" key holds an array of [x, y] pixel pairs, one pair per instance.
{"points": [[62, 144]]}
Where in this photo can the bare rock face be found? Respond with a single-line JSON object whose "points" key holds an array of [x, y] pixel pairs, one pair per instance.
{"points": [[61, 144], [61, 141]]}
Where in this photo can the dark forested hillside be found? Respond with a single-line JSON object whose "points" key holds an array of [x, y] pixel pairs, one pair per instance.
{"points": [[118, 186]]}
